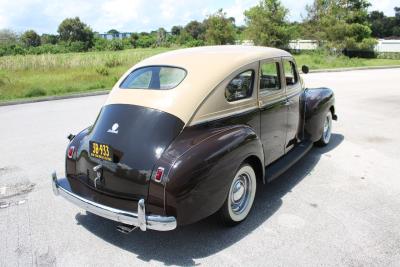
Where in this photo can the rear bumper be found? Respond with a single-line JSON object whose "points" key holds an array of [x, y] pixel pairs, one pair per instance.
{"points": [[139, 219]]}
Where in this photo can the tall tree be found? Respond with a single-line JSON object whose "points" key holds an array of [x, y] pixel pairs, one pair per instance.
{"points": [[195, 29], [176, 30], [219, 29], [340, 24], [267, 24], [113, 32], [49, 38], [161, 36], [74, 30], [30, 38]]}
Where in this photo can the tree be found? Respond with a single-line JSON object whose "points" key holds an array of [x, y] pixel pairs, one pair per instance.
{"points": [[161, 37], [195, 29], [267, 24], [73, 30], [219, 29], [381, 25], [49, 39], [113, 32], [397, 13], [176, 30], [133, 39], [340, 24], [30, 38]]}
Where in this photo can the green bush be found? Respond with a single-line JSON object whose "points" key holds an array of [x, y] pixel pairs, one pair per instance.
{"points": [[100, 44], [389, 55], [13, 49], [194, 43], [115, 45], [77, 46], [35, 92], [145, 41]]}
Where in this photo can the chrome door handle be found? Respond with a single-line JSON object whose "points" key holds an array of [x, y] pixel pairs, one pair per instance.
{"points": [[288, 103]]}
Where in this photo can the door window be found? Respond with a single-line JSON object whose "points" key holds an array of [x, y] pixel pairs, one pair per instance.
{"points": [[270, 78], [240, 87], [291, 75]]}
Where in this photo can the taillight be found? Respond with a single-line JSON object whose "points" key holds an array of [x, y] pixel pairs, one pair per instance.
{"points": [[71, 151], [159, 174]]}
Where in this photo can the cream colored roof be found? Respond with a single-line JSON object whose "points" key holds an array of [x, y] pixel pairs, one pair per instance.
{"points": [[206, 68]]}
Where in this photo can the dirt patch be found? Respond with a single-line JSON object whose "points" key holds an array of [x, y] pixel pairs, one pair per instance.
{"points": [[15, 190], [8, 169]]}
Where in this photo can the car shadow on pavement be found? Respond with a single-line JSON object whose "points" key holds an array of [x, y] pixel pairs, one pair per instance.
{"points": [[185, 244]]}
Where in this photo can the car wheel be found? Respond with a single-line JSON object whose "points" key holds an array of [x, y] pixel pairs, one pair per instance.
{"points": [[240, 197], [327, 131]]}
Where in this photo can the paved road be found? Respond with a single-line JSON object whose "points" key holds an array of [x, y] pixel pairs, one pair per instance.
{"points": [[339, 206]]}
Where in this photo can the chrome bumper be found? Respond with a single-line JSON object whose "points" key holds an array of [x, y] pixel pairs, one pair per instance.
{"points": [[139, 219]]}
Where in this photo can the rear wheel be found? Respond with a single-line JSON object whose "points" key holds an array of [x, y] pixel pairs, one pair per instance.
{"points": [[240, 197], [327, 131]]}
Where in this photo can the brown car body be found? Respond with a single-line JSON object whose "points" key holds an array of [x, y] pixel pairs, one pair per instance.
{"points": [[195, 135]]}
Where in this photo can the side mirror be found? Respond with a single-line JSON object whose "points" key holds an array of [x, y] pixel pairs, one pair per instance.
{"points": [[305, 69]]}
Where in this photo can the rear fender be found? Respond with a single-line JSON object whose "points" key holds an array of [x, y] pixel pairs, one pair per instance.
{"points": [[317, 102], [199, 179]]}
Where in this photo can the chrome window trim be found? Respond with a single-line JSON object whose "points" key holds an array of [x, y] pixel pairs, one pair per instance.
{"points": [[269, 97], [290, 59]]}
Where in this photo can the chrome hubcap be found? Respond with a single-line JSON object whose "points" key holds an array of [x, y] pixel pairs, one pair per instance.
{"points": [[327, 129], [240, 193]]}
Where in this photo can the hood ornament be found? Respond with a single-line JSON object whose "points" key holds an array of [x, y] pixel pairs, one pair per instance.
{"points": [[114, 129]]}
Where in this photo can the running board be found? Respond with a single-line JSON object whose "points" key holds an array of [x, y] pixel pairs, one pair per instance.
{"points": [[275, 169]]}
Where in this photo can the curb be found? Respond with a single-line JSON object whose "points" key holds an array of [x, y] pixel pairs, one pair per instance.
{"points": [[104, 92], [51, 98], [355, 68]]}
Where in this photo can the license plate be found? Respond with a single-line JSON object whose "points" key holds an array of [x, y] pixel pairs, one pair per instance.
{"points": [[101, 151]]}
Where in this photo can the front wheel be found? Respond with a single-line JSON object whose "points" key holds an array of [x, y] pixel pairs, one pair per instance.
{"points": [[240, 197], [327, 131]]}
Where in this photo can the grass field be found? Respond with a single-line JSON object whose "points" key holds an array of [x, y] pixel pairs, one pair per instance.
{"points": [[55, 74]]}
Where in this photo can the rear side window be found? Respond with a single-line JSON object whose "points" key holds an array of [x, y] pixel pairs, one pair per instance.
{"points": [[240, 87], [290, 72], [270, 78], [154, 78]]}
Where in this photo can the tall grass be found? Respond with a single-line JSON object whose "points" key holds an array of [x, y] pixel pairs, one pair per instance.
{"points": [[53, 74], [76, 60]]}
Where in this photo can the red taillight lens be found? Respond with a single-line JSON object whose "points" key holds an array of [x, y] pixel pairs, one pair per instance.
{"points": [[71, 151], [159, 174]]}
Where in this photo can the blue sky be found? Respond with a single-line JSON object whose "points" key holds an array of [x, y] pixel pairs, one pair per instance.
{"points": [[135, 15]]}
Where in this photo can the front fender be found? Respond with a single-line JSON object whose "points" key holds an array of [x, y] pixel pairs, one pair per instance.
{"points": [[199, 180]]}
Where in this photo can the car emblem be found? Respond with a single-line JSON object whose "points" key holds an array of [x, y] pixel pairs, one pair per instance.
{"points": [[99, 174], [114, 129]]}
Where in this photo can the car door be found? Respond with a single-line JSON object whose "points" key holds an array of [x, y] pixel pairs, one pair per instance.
{"points": [[273, 109], [293, 92]]}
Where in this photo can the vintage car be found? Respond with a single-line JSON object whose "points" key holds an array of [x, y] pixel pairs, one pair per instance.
{"points": [[192, 132]]}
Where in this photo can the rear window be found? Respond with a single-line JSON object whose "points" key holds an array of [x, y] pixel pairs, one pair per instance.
{"points": [[154, 78]]}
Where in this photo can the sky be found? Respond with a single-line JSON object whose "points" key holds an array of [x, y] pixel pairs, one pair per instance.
{"points": [[44, 16]]}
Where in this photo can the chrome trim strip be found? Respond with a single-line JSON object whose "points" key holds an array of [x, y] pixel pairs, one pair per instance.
{"points": [[226, 115], [139, 219]]}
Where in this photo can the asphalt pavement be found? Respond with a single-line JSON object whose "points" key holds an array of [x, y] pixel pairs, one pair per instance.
{"points": [[340, 205]]}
